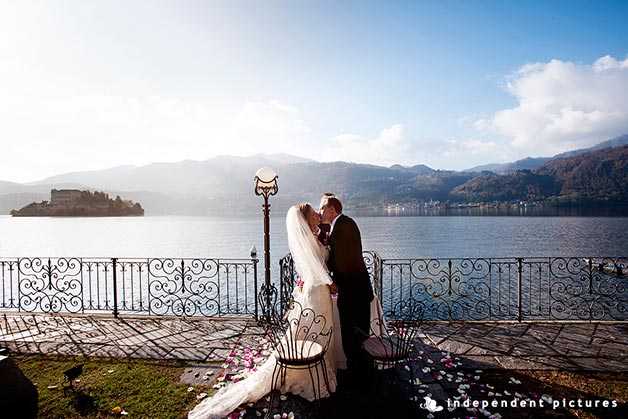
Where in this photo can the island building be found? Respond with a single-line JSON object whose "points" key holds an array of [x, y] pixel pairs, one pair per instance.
{"points": [[64, 196]]}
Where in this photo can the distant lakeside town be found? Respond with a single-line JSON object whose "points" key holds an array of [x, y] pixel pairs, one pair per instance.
{"points": [[489, 208]]}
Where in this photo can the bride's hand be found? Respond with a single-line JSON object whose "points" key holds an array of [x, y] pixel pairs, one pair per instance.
{"points": [[333, 287]]}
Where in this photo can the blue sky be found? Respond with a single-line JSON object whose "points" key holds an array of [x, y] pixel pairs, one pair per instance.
{"points": [[451, 84]]}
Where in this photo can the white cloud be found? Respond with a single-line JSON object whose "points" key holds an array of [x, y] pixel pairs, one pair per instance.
{"points": [[389, 147], [271, 117], [466, 153], [271, 127], [393, 146], [564, 105], [49, 134]]}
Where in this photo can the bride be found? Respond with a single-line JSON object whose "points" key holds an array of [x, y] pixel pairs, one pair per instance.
{"points": [[309, 257]]}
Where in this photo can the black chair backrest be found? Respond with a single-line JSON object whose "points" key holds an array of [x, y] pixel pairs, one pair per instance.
{"points": [[299, 334]]}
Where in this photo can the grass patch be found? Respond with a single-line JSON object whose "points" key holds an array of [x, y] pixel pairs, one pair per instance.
{"points": [[142, 388], [152, 389], [586, 386]]}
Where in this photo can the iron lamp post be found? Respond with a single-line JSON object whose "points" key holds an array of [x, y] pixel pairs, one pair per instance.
{"points": [[266, 185]]}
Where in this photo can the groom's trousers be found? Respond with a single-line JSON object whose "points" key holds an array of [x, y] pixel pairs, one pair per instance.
{"points": [[354, 326]]}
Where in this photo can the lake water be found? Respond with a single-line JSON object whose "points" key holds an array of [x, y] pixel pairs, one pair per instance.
{"points": [[391, 237]]}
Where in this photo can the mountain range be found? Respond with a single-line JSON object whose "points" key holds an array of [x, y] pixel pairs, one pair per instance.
{"points": [[534, 162], [224, 185]]}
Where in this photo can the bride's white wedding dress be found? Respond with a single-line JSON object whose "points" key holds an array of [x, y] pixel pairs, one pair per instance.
{"points": [[309, 257]]}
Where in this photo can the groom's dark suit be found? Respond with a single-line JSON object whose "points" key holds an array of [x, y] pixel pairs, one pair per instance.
{"points": [[355, 293]]}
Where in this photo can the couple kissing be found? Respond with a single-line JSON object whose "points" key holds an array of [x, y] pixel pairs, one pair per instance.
{"points": [[326, 248], [350, 279]]}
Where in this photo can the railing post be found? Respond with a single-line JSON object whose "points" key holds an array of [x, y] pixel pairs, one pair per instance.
{"points": [[115, 286], [255, 260], [380, 277], [519, 277], [590, 274]]}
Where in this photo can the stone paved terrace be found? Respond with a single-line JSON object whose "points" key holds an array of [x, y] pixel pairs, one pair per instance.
{"points": [[597, 346], [540, 345]]}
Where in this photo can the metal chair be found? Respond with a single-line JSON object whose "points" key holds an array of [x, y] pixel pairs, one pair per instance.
{"points": [[391, 341], [300, 339]]}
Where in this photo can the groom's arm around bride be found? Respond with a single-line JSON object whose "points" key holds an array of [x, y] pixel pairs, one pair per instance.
{"points": [[349, 273]]}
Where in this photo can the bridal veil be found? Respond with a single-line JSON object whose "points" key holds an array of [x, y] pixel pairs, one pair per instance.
{"points": [[308, 254]]}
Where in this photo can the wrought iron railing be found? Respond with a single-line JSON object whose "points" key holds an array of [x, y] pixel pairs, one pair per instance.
{"points": [[155, 286], [519, 289]]}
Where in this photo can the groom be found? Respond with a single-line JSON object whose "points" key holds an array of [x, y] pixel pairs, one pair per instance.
{"points": [[351, 280]]}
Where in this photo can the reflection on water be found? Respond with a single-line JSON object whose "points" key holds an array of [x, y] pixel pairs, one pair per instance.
{"points": [[391, 237], [460, 237], [511, 210]]}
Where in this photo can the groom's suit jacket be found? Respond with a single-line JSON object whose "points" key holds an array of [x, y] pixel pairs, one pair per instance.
{"points": [[346, 262]]}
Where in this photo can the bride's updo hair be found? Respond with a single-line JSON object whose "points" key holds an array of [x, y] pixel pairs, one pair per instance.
{"points": [[305, 209]]}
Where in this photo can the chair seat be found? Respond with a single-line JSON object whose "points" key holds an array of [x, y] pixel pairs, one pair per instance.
{"points": [[299, 352], [300, 338], [386, 347]]}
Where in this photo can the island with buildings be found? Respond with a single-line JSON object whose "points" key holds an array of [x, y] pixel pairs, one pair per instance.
{"points": [[76, 203]]}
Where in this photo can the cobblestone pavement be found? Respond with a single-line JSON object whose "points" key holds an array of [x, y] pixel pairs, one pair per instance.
{"points": [[451, 354], [540, 345]]}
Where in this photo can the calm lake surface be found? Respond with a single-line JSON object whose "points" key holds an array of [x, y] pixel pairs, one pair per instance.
{"points": [[392, 237]]}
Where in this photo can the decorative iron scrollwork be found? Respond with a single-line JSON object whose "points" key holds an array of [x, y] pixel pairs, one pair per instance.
{"points": [[180, 287], [560, 288], [520, 289]]}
